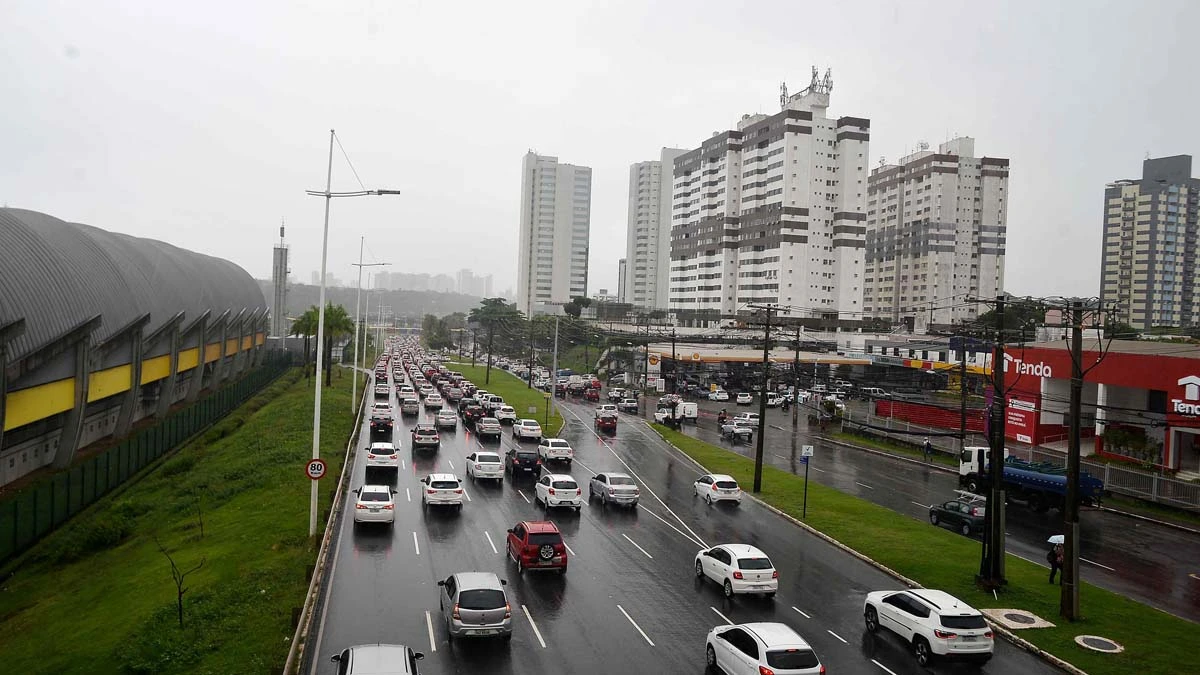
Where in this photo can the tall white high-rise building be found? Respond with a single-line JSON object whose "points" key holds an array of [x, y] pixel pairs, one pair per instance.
{"points": [[648, 232], [936, 225], [773, 212], [556, 206]]}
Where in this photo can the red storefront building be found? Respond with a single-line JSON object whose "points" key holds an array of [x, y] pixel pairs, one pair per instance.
{"points": [[1141, 401]]}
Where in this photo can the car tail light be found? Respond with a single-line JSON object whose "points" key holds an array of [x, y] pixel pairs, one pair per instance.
{"points": [[551, 492], [507, 611], [578, 491], [822, 669], [393, 456], [774, 574], [455, 613], [612, 491], [389, 507], [714, 487], [360, 506], [763, 670], [975, 511], [737, 574], [431, 491], [477, 467], [944, 635], [988, 635], [458, 491], [370, 456]]}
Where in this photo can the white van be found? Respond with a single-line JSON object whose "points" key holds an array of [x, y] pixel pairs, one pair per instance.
{"points": [[875, 392]]}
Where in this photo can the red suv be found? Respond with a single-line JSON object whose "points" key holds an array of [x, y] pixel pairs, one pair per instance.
{"points": [[537, 545]]}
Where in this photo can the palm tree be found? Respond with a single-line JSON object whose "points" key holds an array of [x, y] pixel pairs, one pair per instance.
{"points": [[337, 324], [306, 325]]}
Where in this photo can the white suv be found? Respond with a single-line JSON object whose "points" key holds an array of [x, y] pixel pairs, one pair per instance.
{"points": [[558, 489], [935, 622], [754, 648], [375, 505], [715, 487], [506, 414], [739, 568], [442, 489], [527, 428], [555, 449], [383, 456]]}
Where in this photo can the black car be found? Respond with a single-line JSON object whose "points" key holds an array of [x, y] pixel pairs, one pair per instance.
{"points": [[520, 461], [472, 414], [466, 402], [965, 514]]}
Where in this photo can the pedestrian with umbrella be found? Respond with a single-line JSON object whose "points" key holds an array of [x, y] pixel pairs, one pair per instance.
{"points": [[1055, 556]]}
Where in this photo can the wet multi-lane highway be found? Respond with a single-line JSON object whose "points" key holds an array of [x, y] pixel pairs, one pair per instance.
{"points": [[629, 602]]}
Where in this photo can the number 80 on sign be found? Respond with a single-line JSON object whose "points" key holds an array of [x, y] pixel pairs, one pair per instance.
{"points": [[315, 469]]}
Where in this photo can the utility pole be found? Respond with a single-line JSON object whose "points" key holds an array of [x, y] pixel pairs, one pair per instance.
{"points": [[795, 402], [530, 385], [1069, 598], [358, 356], [553, 372], [991, 568], [962, 385], [646, 357], [762, 399], [674, 365], [474, 331]]}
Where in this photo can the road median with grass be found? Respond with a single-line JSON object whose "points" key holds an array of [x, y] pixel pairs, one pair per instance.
{"points": [[232, 506], [516, 393], [1154, 642]]}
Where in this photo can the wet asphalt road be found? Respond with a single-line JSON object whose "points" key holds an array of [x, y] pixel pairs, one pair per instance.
{"points": [[629, 602], [1144, 561]]}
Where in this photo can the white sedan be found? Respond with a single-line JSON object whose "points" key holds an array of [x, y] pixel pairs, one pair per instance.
{"points": [[527, 428], [374, 504], [485, 465], [715, 487], [739, 568]]}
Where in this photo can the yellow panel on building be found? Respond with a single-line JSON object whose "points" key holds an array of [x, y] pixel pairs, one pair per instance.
{"points": [[107, 382], [35, 403], [156, 368], [189, 358], [231, 346], [260, 339], [247, 342], [212, 352]]}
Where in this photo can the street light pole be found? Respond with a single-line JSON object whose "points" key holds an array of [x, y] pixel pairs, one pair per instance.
{"points": [[357, 318], [762, 403]]}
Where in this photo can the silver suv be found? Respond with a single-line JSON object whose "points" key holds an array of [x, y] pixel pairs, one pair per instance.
{"points": [[474, 604]]}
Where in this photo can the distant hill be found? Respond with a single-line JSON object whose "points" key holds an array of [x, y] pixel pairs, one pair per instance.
{"points": [[413, 304]]}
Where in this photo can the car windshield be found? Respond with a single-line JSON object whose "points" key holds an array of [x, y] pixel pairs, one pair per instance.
{"points": [[543, 538], [375, 497], [481, 598], [792, 659], [443, 484], [754, 563], [482, 458], [726, 484], [620, 480], [960, 622], [564, 485]]}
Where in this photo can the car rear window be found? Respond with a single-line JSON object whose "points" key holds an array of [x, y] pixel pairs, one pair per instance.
{"points": [[559, 444], [726, 484], [971, 621], [481, 598], [543, 538], [792, 659], [620, 480], [487, 458], [564, 485], [754, 563], [527, 456], [375, 497], [443, 484]]}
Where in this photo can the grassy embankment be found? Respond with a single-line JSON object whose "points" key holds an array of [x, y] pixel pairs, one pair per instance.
{"points": [[893, 448], [97, 596], [515, 393], [1154, 642]]}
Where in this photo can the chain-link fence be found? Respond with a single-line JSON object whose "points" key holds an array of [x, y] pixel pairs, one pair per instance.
{"points": [[36, 511]]}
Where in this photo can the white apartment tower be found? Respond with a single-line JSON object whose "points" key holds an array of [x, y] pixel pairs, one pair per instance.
{"points": [[556, 205], [648, 232], [773, 212], [936, 225]]}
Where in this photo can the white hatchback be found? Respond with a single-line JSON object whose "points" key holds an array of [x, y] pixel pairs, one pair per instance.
{"points": [[383, 456], [442, 489], [485, 465], [756, 648], [375, 505], [715, 487], [558, 489], [744, 398], [739, 568]]}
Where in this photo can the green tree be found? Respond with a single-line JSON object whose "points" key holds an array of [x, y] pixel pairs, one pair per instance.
{"points": [[338, 324], [495, 316], [306, 325], [1120, 330], [1020, 315]]}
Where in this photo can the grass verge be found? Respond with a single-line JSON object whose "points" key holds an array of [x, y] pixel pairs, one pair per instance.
{"points": [[236, 499], [515, 393], [891, 448], [1154, 642]]}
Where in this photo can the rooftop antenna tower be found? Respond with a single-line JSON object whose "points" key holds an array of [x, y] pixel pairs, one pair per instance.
{"points": [[783, 97], [279, 281]]}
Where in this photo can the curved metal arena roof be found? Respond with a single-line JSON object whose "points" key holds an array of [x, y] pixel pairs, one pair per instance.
{"points": [[56, 274]]}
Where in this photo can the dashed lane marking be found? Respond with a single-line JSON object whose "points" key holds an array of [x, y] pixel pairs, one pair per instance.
{"points": [[490, 542], [636, 545], [536, 632], [918, 504], [1092, 562], [523, 495], [802, 612], [837, 636], [429, 625], [416, 544], [885, 668], [639, 628], [723, 617], [864, 485]]}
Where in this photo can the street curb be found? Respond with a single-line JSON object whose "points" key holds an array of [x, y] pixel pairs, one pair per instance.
{"points": [[1164, 523], [997, 628]]}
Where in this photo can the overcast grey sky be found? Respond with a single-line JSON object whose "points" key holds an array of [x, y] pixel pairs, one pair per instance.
{"points": [[202, 124]]}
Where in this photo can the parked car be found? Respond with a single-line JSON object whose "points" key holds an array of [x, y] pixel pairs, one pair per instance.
{"points": [[377, 658], [485, 465], [488, 427], [442, 489], [519, 461], [756, 648], [629, 405], [558, 489], [739, 568], [506, 414], [426, 436], [555, 449], [537, 545], [382, 457], [474, 604], [527, 428], [967, 514], [614, 488], [715, 487], [374, 504], [935, 623], [445, 419]]}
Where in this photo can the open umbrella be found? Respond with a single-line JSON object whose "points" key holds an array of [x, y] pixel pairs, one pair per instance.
{"points": [[1055, 539]]}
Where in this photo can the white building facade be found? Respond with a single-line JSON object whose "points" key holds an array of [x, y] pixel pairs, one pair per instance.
{"points": [[773, 212], [936, 229], [556, 204], [648, 232]]}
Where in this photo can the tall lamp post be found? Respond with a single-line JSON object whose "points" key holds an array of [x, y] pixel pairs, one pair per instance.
{"points": [[328, 195], [358, 356]]}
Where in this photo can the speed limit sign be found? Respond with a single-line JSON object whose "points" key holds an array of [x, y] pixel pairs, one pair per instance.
{"points": [[315, 469]]}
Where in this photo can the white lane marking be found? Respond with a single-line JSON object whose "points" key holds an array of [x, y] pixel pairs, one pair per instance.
{"points": [[918, 504], [639, 478], [723, 617], [490, 542], [523, 495], [864, 485], [568, 547], [429, 625], [636, 545], [1194, 576], [408, 494], [837, 636], [416, 545], [816, 469], [467, 495], [802, 613], [1092, 562], [451, 463], [1035, 562], [685, 535], [536, 632], [775, 426], [885, 668], [639, 628], [403, 466]]}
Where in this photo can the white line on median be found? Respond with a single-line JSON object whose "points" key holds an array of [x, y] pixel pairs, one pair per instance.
{"points": [[416, 545], [523, 496], [408, 494], [837, 636], [864, 485], [1092, 562], [429, 625], [802, 613], [885, 668], [490, 542], [918, 504], [536, 632], [451, 463], [723, 617], [817, 470], [639, 628], [568, 547], [635, 544]]}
